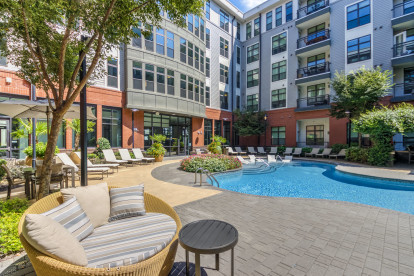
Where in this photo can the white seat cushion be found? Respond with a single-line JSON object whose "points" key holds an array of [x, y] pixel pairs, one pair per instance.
{"points": [[128, 241]]}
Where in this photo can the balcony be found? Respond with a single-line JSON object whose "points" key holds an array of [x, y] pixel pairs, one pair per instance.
{"points": [[312, 12], [403, 15], [403, 54], [313, 42], [313, 103], [403, 92], [313, 73]]}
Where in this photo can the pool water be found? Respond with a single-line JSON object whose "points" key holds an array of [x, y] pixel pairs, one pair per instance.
{"points": [[320, 180]]}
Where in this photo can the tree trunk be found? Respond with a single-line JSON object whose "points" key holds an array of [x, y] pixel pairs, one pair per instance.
{"points": [[77, 140], [45, 172], [359, 139]]}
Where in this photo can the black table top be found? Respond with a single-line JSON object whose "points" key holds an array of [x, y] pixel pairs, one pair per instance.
{"points": [[208, 236]]}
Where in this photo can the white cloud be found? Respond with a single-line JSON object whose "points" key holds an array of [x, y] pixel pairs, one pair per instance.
{"points": [[249, 4]]}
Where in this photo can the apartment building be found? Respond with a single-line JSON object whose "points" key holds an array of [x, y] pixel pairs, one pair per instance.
{"points": [[278, 57]]}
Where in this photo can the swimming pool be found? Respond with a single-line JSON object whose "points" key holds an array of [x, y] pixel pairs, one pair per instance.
{"points": [[320, 180]]}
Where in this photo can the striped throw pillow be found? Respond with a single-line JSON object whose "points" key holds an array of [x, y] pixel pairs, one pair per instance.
{"points": [[127, 202], [71, 215]]}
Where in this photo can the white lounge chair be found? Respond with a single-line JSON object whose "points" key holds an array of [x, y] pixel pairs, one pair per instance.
{"points": [[342, 153], [273, 150], [198, 152], [326, 152], [138, 154], [261, 150], [239, 150], [111, 158], [230, 151], [90, 165], [313, 152], [288, 151], [242, 160], [68, 162], [298, 152], [271, 159], [252, 158], [287, 159], [127, 157]]}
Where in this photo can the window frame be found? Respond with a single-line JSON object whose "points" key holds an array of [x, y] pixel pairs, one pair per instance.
{"points": [[281, 47], [358, 53], [279, 66], [269, 21], [314, 141], [279, 103], [281, 141], [289, 11], [252, 102], [254, 81], [256, 26], [253, 53], [279, 16], [357, 19]]}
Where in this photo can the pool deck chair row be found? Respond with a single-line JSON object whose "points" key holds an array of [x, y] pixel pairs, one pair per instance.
{"points": [[90, 165], [68, 162]]}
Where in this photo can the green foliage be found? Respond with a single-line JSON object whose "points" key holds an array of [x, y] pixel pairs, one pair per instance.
{"points": [[40, 150], [102, 144], [359, 91], [249, 123], [26, 128], [157, 149], [175, 144], [10, 214], [158, 138], [210, 162], [2, 171], [357, 154], [281, 150], [215, 145], [336, 148], [74, 124], [306, 150], [92, 156], [380, 154]]}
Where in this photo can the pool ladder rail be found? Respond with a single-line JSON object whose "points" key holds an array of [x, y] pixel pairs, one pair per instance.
{"points": [[208, 174]]}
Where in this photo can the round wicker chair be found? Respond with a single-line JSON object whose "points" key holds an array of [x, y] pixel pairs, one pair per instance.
{"points": [[159, 264]]}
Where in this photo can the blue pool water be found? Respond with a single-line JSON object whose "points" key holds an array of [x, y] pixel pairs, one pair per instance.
{"points": [[319, 180]]}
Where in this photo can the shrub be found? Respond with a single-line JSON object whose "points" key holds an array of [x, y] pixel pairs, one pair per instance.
{"points": [[211, 162], [92, 156], [281, 149], [336, 148], [40, 150], [102, 144], [379, 154], [10, 214], [157, 149], [2, 172], [306, 150], [215, 145], [357, 154]]}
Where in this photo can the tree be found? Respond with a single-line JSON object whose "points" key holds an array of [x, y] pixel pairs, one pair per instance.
{"points": [[75, 126], [26, 127], [382, 124], [359, 92], [44, 42], [249, 123]]}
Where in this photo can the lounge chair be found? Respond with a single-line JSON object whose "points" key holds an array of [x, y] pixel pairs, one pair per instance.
{"points": [[138, 154], [127, 157], [288, 151], [325, 152], [251, 150], [90, 165], [230, 151], [198, 152], [342, 153], [110, 158], [239, 150], [252, 158], [261, 150], [273, 150], [298, 152], [242, 160], [68, 162], [312, 153], [287, 159], [271, 159]]}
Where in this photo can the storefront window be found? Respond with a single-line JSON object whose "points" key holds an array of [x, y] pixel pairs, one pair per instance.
{"points": [[208, 131], [61, 143], [112, 126], [90, 136]]}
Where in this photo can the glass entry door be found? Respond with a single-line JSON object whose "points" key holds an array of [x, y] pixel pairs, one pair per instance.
{"points": [[4, 138]]}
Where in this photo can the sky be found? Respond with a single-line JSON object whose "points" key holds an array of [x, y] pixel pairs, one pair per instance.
{"points": [[245, 5]]}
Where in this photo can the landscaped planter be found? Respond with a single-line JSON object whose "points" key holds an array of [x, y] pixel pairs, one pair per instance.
{"points": [[159, 158], [30, 159]]}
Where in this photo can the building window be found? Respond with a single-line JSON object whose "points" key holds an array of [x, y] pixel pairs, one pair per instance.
{"points": [[224, 47], [315, 32], [112, 126], [238, 101], [137, 75], [224, 74], [190, 23], [170, 82], [315, 62], [170, 44], [208, 10], [197, 90], [279, 98], [314, 135], [359, 49], [208, 131], [190, 88], [217, 128], [238, 31], [201, 92], [224, 100], [197, 57], [279, 136], [252, 78], [207, 95], [202, 61], [207, 38], [113, 73], [316, 94], [279, 43], [358, 14], [238, 79], [196, 25], [257, 26], [224, 21], [207, 67], [279, 16], [289, 11], [149, 38], [238, 54], [269, 23], [137, 41], [226, 131], [183, 50], [190, 51], [183, 86], [160, 80], [160, 41], [279, 70], [149, 77], [248, 30], [252, 102], [202, 29], [409, 80], [253, 53], [90, 136]]}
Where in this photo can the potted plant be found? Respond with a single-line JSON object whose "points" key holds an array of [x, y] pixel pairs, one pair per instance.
{"points": [[215, 145], [40, 152], [157, 150]]}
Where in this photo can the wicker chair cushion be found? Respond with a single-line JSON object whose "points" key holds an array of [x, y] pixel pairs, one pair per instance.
{"points": [[71, 215], [127, 202], [128, 241]]}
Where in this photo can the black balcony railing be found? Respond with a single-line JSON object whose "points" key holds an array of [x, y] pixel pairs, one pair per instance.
{"points": [[318, 5], [313, 70], [403, 8], [403, 49], [313, 101], [313, 38], [403, 89]]}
